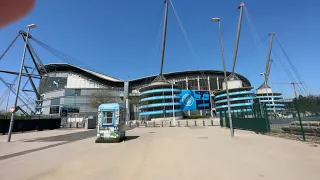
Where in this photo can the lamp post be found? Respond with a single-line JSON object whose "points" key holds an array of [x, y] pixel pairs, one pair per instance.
{"points": [[30, 26], [216, 19], [173, 109]]}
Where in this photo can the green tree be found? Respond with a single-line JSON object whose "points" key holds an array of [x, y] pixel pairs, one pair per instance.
{"points": [[101, 97]]}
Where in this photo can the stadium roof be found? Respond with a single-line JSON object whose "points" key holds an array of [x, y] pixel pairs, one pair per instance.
{"points": [[70, 67], [56, 67]]}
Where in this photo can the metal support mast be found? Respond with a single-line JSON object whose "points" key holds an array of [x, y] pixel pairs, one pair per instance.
{"points": [[164, 35], [237, 38], [268, 64]]}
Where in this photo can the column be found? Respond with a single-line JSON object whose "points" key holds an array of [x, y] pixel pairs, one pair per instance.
{"points": [[211, 104], [187, 89], [198, 80], [126, 100], [218, 82]]}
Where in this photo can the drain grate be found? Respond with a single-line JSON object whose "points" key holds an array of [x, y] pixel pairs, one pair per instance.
{"points": [[203, 137]]}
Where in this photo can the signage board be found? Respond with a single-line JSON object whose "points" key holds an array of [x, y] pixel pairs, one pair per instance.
{"points": [[195, 100]]}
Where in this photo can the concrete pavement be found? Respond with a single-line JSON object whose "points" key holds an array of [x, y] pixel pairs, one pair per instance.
{"points": [[204, 153]]}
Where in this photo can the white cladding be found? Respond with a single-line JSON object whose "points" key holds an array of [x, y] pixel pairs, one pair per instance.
{"points": [[77, 81], [264, 91], [232, 84]]}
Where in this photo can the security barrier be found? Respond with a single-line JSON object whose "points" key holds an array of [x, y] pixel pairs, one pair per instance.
{"points": [[256, 119], [30, 124]]}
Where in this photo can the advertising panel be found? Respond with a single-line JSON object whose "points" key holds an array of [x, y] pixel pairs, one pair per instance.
{"points": [[195, 100]]}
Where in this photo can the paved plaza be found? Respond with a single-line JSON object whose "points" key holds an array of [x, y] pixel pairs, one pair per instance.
{"points": [[185, 153]]}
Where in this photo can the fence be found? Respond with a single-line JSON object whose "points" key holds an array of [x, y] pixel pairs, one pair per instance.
{"points": [[30, 123], [299, 117], [253, 118], [178, 123]]}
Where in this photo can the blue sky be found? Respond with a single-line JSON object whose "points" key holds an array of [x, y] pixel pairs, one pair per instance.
{"points": [[121, 38]]}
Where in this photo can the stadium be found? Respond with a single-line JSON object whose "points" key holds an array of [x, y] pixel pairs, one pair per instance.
{"points": [[71, 87]]}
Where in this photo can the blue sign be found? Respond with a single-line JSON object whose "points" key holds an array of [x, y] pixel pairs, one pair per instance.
{"points": [[195, 100]]}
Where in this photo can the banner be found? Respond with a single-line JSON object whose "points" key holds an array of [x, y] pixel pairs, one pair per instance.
{"points": [[195, 100]]}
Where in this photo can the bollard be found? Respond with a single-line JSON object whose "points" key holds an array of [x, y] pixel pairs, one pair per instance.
{"points": [[69, 124], [211, 122], [170, 123], [154, 123], [77, 125], [137, 124], [129, 124], [146, 124], [161, 123], [187, 123], [203, 123], [178, 123], [195, 123]]}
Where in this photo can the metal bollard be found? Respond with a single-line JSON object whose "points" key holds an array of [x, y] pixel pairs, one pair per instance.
{"points": [[69, 124], [161, 123], [137, 124], [170, 123], [203, 123], [211, 122], [154, 123], [178, 123], [77, 125], [195, 123], [187, 123]]}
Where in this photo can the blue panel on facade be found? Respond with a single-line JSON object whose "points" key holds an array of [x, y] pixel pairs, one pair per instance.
{"points": [[193, 100]]}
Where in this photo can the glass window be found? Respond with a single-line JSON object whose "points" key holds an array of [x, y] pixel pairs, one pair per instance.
{"points": [[69, 92], [54, 110], [78, 92], [55, 101], [73, 109], [107, 117]]}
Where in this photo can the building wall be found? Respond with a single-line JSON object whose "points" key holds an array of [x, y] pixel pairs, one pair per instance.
{"points": [[74, 93], [70, 81]]}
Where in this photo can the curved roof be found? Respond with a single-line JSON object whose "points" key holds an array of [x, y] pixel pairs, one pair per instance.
{"points": [[70, 67], [171, 75], [99, 77], [54, 67]]}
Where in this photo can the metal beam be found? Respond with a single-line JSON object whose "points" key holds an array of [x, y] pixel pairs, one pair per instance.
{"points": [[23, 74], [32, 83], [14, 91], [33, 53], [5, 51]]}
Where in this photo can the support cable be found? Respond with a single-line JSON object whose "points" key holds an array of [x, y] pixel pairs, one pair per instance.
{"points": [[186, 36], [157, 43], [287, 71], [304, 86]]}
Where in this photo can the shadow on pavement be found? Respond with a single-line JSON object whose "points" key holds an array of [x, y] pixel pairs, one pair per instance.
{"points": [[67, 138], [128, 138]]}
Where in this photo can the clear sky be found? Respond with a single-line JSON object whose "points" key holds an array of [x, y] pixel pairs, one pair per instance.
{"points": [[122, 38]]}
